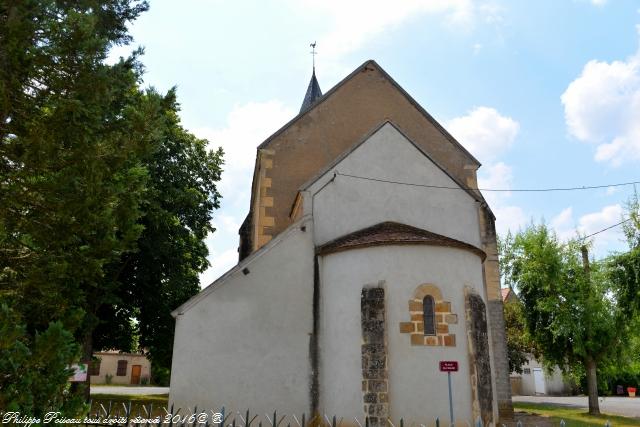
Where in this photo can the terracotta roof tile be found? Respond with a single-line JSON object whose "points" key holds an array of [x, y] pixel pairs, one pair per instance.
{"points": [[393, 233]]}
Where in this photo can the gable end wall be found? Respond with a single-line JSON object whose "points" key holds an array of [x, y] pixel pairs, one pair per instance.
{"points": [[322, 134]]}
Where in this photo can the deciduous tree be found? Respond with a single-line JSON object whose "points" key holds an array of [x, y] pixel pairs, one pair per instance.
{"points": [[171, 253], [571, 310]]}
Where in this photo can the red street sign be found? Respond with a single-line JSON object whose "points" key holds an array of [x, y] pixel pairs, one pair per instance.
{"points": [[448, 366]]}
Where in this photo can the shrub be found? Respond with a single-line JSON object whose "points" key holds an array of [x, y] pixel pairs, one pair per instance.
{"points": [[34, 369], [161, 376]]}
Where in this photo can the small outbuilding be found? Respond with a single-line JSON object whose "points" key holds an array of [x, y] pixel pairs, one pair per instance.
{"points": [[114, 367]]}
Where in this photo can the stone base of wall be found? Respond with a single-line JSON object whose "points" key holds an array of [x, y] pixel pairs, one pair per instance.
{"points": [[479, 357], [375, 384]]}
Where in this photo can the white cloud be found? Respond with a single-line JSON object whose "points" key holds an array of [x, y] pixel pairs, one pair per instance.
{"points": [[352, 23], [496, 176], [484, 132], [612, 190], [564, 224], [607, 216], [602, 106], [247, 126], [224, 261], [567, 227], [492, 12], [509, 218], [488, 135]]}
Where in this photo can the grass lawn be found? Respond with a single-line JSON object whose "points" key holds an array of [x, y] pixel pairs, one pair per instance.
{"points": [[574, 416], [118, 401]]}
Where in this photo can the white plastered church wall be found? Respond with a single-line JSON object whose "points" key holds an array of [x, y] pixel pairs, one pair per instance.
{"points": [[245, 342], [347, 205], [388, 155], [416, 388]]}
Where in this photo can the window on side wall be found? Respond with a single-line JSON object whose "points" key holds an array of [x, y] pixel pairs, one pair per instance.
{"points": [[122, 368], [94, 367], [429, 315]]}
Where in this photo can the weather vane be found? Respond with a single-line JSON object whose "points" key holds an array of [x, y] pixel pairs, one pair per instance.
{"points": [[313, 53]]}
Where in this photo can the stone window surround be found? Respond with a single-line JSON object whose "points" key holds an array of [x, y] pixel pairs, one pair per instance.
{"points": [[444, 317]]}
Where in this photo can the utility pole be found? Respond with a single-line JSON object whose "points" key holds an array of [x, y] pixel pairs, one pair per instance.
{"points": [[590, 362]]}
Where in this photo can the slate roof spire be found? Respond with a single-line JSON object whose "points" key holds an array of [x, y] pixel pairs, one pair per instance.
{"points": [[313, 90]]}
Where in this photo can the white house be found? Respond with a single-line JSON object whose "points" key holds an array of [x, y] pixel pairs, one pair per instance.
{"points": [[367, 258]]}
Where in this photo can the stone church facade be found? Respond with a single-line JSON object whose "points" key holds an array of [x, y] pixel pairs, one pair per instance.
{"points": [[353, 282]]}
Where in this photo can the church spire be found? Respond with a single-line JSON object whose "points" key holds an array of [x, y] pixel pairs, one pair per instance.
{"points": [[313, 90]]}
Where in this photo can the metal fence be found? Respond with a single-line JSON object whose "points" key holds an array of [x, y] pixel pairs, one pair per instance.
{"points": [[120, 414]]}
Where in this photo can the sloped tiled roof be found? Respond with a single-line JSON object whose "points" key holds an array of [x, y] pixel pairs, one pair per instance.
{"points": [[393, 233], [313, 93]]}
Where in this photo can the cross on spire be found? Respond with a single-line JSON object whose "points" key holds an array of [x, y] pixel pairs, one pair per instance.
{"points": [[313, 54], [313, 91]]}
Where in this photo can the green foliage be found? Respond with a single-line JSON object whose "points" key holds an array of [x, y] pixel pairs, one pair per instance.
{"points": [[35, 369], [632, 228], [569, 315], [71, 128], [572, 311], [624, 268], [160, 375], [623, 271], [164, 272], [99, 184], [519, 345], [106, 200]]}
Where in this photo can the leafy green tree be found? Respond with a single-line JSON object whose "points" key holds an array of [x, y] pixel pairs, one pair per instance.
{"points": [[101, 189], [72, 129], [519, 345], [624, 268], [164, 272], [571, 310]]}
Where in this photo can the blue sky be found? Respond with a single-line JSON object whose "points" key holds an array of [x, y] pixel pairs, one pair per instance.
{"points": [[544, 94]]}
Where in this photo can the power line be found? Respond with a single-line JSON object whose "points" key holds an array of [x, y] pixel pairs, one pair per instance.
{"points": [[591, 187], [521, 190], [605, 229]]}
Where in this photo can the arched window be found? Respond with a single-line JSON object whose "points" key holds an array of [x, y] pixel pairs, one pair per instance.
{"points": [[429, 315]]}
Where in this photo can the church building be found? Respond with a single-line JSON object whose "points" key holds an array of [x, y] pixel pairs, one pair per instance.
{"points": [[368, 257]]}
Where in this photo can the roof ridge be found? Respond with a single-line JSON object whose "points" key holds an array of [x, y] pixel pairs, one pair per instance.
{"points": [[411, 100]]}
